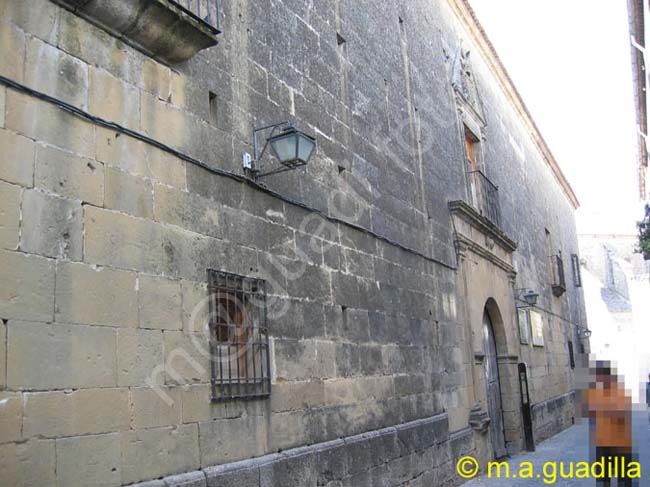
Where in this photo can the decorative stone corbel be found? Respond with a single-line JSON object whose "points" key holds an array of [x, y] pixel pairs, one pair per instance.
{"points": [[489, 242], [461, 250], [479, 419]]}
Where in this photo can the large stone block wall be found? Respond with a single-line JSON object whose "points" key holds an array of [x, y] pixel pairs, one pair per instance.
{"points": [[554, 415], [418, 453], [105, 239]]}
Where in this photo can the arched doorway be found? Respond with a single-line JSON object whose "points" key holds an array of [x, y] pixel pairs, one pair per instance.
{"points": [[495, 410]]}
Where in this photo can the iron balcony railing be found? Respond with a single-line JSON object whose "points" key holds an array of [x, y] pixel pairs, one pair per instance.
{"points": [[485, 196], [206, 11], [559, 281]]}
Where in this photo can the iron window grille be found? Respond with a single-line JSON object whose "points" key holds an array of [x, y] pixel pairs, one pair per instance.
{"points": [[485, 196], [575, 264], [239, 338], [205, 11], [559, 281]]}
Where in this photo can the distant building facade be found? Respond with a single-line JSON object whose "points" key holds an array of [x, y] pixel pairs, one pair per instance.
{"points": [[166, 314]]}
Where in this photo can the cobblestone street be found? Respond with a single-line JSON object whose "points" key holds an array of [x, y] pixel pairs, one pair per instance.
{"points": [[572, 445]]}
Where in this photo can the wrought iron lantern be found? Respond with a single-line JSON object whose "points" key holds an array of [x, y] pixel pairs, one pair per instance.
{"points": [[290, 146], [528, 296]]}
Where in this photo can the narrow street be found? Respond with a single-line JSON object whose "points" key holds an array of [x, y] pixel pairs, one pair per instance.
{"points": [[571, 445]]}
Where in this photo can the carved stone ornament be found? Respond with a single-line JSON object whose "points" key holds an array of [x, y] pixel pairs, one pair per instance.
{"points": [[463, 81], [479, 419], [489, 242]]}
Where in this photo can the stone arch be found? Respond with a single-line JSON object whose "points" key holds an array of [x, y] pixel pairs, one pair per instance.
{"points": [[498, 326]]}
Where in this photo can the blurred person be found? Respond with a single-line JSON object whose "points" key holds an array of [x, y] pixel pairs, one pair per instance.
{"points": [[610, 417]]}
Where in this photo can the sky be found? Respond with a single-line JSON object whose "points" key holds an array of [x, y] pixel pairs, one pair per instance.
{"points": [[570, 61]]}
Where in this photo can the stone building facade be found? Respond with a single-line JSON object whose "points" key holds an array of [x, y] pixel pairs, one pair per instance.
{"points": [[382, 288]]}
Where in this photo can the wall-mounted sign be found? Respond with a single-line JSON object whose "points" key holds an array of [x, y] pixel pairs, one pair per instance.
{"points": [[524, 326], [537, 328]]}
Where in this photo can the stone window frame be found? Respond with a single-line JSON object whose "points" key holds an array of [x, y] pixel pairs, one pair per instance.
{"points": [[240, 361], [471, 117]]}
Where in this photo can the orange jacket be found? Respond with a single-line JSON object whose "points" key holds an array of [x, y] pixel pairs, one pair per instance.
{"points": [[612, 411]]}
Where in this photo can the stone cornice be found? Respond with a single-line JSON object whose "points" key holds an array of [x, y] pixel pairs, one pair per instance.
{"points": [[486, 254], [468, 18], [470, 215], [508, 359]]}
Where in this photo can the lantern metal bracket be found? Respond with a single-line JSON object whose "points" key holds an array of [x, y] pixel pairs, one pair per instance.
{"points": [[252, 165], [527, 296]]}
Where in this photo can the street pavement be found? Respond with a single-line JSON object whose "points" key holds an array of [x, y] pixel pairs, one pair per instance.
{"points": [[572, 445]]}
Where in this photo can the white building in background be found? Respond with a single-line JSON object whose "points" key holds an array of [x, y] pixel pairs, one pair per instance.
{"points": [[616, 284]]}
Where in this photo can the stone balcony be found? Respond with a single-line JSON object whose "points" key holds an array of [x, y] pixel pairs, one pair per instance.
{"points": [[167, 30]]}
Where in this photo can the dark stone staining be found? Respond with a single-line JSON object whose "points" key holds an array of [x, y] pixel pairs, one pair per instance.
{"points": [[213, 103]]}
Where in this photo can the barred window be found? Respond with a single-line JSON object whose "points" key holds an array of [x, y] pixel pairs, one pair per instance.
{"points": [[575, 264], [204, 10], [239, 340], [557, 270]]}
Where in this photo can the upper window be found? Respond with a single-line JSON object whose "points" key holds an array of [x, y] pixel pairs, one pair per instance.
{"points": [[239, 340], [575, 265], [471, 143], [483, 193]]}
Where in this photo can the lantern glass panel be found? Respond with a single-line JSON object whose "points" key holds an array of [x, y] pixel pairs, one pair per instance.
{"points": [[285, 147], [305, 148]]}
